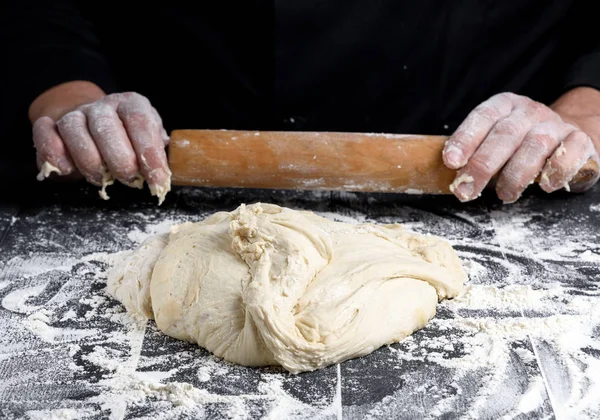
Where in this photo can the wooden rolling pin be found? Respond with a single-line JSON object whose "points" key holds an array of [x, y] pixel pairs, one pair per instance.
{"points": [[316, 160]]}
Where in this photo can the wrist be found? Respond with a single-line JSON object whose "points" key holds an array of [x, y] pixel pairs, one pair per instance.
{"points": [[60, 99]]}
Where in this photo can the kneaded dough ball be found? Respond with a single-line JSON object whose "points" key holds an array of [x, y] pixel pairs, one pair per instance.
{"points": [[267, 285]]}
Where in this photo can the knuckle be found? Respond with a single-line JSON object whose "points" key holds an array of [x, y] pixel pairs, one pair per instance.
{"points": [[43, 121], [539, 142], [512, 97], [138, 116], [102, 124], [139, 120], [546, 127], [480, 165], [106, 101], [98, 112], [70, 120], [507, 128], [537, 110], [506, 98], [580, 139], [71, 116], [487, 113], [135, 97], [457, 140], [498, 106], [102, 119], [513, 180]]}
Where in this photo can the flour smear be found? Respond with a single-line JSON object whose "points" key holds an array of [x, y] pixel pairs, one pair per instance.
{"points": [[517, 342]]}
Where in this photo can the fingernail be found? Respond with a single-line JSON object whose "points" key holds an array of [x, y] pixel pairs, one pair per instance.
{"points": [[462, 187], [508, 198], [453, 156], [544, 181], [65, 165], [464, 191], [552, 180], [137, 181], [505, 195], [157, 176]]}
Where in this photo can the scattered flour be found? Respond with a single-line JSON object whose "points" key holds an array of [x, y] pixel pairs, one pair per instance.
{"points": [[50, 334], [138, 236], [413, 191], [511, 297], [507, 327], [59, 414]]}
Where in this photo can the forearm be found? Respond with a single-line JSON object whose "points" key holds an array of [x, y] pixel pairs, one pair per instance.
{"points": [[60, 99], [581, 107]]}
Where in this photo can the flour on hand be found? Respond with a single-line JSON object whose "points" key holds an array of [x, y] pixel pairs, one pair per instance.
{"points": [[267, 285]]}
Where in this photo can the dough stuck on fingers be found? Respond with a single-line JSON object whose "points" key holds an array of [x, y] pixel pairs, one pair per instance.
{"points": [[266, 285], [160, 191], [45, 171], [107, 179], [463, 179]]}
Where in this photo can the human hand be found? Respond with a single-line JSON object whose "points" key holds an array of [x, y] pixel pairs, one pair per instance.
{"points": [[517, 139], [118, 136]]}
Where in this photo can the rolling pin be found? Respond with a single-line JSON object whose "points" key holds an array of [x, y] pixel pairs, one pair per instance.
{"points": [[359, 162]]}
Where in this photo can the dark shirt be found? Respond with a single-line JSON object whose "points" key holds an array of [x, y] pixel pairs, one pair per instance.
{"points": [[338, 65]]}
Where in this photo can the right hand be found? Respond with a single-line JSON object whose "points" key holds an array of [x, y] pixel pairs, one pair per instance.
{"points": [[119, 136], [518, 139]]}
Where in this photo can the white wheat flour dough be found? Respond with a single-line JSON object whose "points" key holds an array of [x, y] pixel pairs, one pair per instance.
{"points": [[268, 285]]}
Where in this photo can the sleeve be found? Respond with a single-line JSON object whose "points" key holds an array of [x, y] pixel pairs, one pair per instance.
{"points": [[585, 71], [582, 40], [43, 43]]}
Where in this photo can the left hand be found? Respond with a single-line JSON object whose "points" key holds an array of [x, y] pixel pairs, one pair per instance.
{"points": [[518, 139]]}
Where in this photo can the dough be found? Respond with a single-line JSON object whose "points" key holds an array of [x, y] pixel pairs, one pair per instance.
{"points": [[268, 285]]}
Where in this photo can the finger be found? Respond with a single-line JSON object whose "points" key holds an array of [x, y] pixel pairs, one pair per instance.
{"points": [[474, 129], [82, 149], [566, 161], [113, 143], [135, 97], [47, 170], [500, 144], [527, 162], [144, 130], [52, 155], [163, 132]]}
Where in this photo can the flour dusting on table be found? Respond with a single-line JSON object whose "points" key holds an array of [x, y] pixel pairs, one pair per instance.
{"points": [[523, 339]]}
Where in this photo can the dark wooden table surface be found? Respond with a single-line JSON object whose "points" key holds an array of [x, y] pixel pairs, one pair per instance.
{"points": [[67, 350]]}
